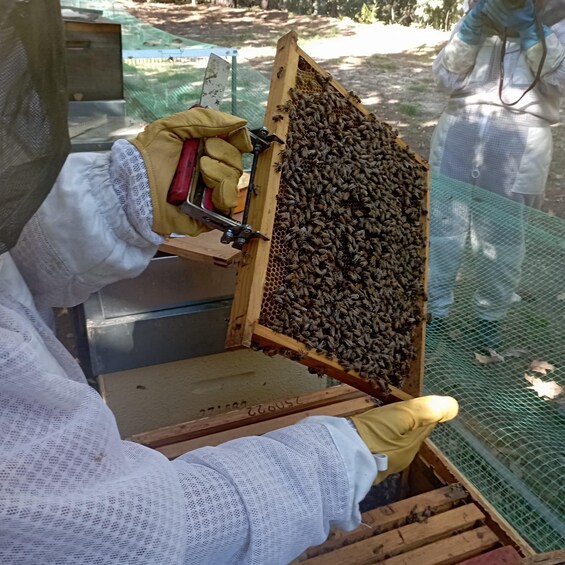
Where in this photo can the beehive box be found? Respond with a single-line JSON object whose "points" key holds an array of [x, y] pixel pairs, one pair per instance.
{"points": [[436, 517], [340, 285], [93, 53]]}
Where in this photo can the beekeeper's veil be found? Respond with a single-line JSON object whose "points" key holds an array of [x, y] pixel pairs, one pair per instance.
{"points": [[33, 110]]}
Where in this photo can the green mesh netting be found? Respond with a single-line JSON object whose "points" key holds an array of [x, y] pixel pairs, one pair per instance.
{"points": [[510, 436], [154, 88], [508, 440]]}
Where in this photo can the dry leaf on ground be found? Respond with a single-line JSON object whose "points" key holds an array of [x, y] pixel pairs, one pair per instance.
{"points": [[492, 357], [544, 389], [541, 366]]}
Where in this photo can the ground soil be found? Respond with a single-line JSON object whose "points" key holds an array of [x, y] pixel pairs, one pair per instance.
{"points": [[389, 67]]}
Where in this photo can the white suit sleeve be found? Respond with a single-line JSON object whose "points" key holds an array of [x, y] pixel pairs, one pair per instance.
{"points": [[72, 492], [454, 62], [458, 57], [280, 493], [553, 71], [94, 228]]}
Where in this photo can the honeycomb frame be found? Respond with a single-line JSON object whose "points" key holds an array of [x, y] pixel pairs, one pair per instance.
{"points": [[291, 74]]}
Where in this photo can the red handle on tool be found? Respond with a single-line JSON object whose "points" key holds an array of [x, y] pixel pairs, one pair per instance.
{"points": [[182, 180], [178, 191]]}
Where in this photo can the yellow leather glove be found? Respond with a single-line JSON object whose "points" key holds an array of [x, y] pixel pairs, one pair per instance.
{"points": [[398, 430], [160, 145]]}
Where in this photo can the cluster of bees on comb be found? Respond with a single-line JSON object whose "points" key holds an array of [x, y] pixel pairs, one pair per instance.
{"points": [[346, 267]]}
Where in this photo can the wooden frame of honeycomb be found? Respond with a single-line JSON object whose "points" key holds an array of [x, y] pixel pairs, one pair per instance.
{"points": [[340, 285]]}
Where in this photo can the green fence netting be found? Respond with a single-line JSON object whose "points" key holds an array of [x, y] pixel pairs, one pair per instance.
{"points": [[509, 439], [157, 87]]}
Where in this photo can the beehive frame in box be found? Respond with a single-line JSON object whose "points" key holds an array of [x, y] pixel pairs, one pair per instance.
{"points": [[340, 285]]}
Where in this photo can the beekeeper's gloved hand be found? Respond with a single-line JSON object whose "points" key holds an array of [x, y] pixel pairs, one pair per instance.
{"points": [[160, 145], [471, 29], [398, 430], [461, 51], [522, 22], [516, 20]]}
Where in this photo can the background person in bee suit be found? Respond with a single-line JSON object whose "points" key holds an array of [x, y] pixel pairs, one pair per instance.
{"points": [[496, 140], [71, 491]]}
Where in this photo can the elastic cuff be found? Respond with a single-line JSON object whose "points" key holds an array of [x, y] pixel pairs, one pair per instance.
{"points": [[554, 58], [359, 462], [131, 184]]}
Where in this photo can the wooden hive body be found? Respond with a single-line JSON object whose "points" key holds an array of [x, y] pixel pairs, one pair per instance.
{"points": [[433, 516], [340, 285]]}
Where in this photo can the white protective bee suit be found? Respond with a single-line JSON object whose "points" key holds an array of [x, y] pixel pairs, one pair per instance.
{"points": [[480, 144]]}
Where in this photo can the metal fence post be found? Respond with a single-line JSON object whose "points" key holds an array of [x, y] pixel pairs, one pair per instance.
{"points": [[234, 85]]}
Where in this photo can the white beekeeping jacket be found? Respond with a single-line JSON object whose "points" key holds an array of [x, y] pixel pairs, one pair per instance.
{"points": [[479, 139], [71, 491]]}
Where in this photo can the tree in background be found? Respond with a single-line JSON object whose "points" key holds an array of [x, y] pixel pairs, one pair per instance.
{"points": [[439, 14]]}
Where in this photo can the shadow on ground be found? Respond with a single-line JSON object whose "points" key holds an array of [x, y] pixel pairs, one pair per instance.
{"points": [[233, 27]]}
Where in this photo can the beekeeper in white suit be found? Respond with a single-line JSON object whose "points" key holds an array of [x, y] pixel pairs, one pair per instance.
{"points": [[71, 491], [493, 135]]}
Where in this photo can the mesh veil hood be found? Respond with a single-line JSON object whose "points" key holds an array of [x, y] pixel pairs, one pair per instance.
{"points": [[33, 110]]}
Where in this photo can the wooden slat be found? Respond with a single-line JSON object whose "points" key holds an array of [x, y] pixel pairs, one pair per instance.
{"points": [[448, 551], [447, 472], [506, 555], [347, 408], [252, 271], [245, 416], [311, 358], [414, 384], [394, 515], [205, 248], [403, 539]]}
